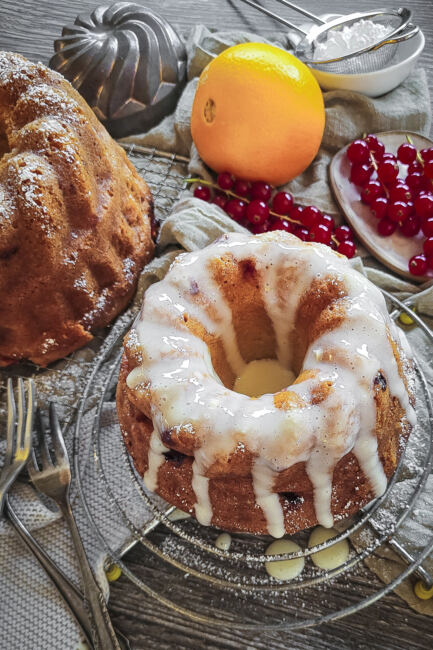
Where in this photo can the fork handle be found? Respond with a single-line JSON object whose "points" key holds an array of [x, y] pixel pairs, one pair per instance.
{"points": [[69, 592], [103, 634]]}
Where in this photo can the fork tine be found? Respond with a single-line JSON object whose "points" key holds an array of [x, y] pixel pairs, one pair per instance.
{"points": [[57, 436], [12, 414], [42, 441], [32, 465], [21, 414], [26, 442]]}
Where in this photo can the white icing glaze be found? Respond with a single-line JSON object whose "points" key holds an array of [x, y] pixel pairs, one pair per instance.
{"points": [[155, 460], [185, 390], [223, 541]]}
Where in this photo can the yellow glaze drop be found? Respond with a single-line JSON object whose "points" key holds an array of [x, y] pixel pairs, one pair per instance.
{"points": [[405, 318], [284, 569], [113, 573], [332, 557], [422, 592]]}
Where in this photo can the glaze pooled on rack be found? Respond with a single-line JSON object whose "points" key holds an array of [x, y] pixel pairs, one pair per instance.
{"points": [[315, 451]]}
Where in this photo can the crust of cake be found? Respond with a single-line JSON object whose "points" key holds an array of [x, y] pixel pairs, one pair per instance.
{"points": [[75, 217], [230, 486]]}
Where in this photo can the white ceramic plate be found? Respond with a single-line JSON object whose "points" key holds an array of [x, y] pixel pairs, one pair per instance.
{"points": [[396, 250]]}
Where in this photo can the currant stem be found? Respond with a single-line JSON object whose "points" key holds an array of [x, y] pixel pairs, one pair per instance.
{"points": [[241, 198], [374, 163]]}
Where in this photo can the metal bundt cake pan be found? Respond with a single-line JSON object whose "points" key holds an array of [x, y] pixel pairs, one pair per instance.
{"points": [[127, 62]]}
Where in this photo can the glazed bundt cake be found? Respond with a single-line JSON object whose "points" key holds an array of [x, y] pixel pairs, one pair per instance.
{"points": [[74, 217], [311, 453]]}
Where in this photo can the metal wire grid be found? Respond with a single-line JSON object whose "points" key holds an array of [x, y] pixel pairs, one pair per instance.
{"points": [[199, 540], [64, 380]]}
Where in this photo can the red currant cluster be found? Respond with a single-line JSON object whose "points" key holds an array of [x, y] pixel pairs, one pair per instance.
{"points": [[260, 209], [403, 203]]}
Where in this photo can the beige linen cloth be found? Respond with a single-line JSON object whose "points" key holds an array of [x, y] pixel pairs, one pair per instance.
{"points": [[193, 224], [31, 613]]}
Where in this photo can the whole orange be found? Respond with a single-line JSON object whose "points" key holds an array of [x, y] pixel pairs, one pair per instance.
{"points": [[258, 113]]}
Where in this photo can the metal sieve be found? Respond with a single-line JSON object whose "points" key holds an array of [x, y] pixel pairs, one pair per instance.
{"points": [[374, 57]]}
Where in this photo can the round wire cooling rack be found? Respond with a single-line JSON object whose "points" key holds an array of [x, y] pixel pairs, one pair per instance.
{"points": [[231, 588], [63, 381]]}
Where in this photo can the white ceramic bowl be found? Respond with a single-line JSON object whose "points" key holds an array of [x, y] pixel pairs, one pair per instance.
{"points": [[382, 81]]}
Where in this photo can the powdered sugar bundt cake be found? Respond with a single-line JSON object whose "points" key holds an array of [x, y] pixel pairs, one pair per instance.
{"points": [[74, 217], [317, 450]]}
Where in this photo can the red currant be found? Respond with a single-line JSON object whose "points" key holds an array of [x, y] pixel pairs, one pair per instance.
{"points": [[242, 188], [282, 202], [414, 167], [398, 211], [371, 191], [430, 262], [413, 181], [428, 169], [261, 191], [375, 145], [327, 221], [418, 265], [220, 200], [406, 153], [427, 227], [320, 233], [257, 212], [282, 224], [296, 212], [427, 154], [258, 228], [385, 227], [410, 226], [426, 185], [358, 152], [302, 233], [202, 192], [310, 216], [360, 174], [387, 171], [225, 180], [342, 233], [379, 207], [236, 209], [400, 192], [428, 246], [347, 248], [424, 205], [389, 156]]}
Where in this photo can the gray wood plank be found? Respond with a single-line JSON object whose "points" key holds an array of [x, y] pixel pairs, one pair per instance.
{"points": [[30, 27]]}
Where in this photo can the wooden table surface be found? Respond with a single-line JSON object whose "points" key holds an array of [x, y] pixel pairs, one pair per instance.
{"points": [[29, 27]]}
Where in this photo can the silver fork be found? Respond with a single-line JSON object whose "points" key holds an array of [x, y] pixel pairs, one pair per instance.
{"points": [[54, 480], [19, 434]]}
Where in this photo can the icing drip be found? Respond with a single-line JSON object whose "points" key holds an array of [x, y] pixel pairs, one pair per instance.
{"points": [[263, 482], [155, 460], [186, 392], [203, 507]]}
